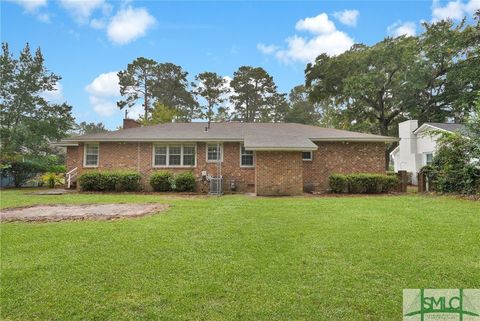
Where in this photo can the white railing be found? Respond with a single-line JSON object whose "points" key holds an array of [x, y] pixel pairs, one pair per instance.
{"points": [[70, 176]]}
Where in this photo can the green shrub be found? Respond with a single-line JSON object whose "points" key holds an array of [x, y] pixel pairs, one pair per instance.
{"points": [[109, 181], [20, 171], [358, 184], [362, 183], [456, 166], [338, 183], [128, 182], [185, 182], [52, 179], [161, 181], [57, 169]]}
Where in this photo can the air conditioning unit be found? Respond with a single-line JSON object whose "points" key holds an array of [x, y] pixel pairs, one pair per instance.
{"points": [[216, 185]]}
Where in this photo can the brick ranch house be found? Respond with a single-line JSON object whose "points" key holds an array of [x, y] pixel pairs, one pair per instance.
{"points": [[264, 158]]}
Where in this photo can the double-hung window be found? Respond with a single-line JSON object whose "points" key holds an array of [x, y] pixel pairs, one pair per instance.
{"points": [[214, 152], [428, 158], [307, 156], [91, 152], [188, 155], [246, 157], [174, 155], [177, 155]]}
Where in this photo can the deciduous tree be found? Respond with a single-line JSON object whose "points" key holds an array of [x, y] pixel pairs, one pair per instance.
{"points": [[371, 84], [160, 114], [447, 71], [89, 128]]}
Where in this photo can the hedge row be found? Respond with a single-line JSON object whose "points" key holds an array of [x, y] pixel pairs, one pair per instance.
{"points": [[166, 182], [109, 181], [362, 183], [130, 181]]}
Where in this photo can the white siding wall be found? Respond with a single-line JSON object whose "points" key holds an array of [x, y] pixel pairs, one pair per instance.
{"points": [[405, 158], [411, 154], [426, 144]]}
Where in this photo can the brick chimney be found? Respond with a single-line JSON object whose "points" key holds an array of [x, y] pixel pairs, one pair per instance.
{"points": [[130, 123]]}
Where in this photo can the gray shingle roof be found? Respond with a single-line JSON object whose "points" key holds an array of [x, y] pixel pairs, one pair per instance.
{"points": [[254, 135], [283, 142], [448, 126]]}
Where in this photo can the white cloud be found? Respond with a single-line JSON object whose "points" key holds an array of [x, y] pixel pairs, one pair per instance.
{"points": [[306, 50], [104, 92], [44, 17], [105, 85], [267, 49], [454, 10], [135, 112], [81, 10], [399, 29], [103, 107], [54, 96], [33, 7], [347, 17], [129, 24], [326, 39], [472, 6], [97, 23], [30, 5], [319, 24]]}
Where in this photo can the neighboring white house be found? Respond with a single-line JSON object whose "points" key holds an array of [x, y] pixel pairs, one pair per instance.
{"points": [[417, 145]]}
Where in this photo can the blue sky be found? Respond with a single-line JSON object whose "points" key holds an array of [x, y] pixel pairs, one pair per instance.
{"points": [[87, 42]]}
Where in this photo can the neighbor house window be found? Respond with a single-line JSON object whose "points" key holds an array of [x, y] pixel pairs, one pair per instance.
{"points": [[246, 157], [428, 158], [91, 155], [307, 156], [214, 152], [174, 155]]}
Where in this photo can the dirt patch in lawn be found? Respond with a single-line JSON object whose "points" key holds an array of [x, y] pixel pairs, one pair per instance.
{"points": [[40, 213]]}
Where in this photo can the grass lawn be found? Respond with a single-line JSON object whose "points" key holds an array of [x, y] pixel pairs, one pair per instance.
{"points": [[238, 258]]}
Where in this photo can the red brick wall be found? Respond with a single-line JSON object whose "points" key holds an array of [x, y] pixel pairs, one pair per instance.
{"points": [[138, 157], [73, 159], [130, 123], [342, 158], [279, 173]]}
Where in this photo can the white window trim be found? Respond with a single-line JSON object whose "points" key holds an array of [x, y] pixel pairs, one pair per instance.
{"points": [[246, 166], [168, 154], [307, 159], [85, 155], [424, 158], [206, 152]]}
